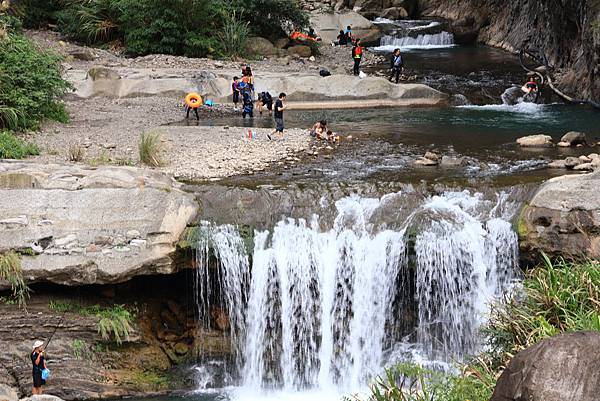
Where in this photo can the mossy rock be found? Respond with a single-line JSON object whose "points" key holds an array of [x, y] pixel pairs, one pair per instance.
{"points": [[521, 225]]}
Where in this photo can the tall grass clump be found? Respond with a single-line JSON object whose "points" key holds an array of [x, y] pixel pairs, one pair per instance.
{"points": [[149, 149], [234, 34], [557, 297], [12, 272]]}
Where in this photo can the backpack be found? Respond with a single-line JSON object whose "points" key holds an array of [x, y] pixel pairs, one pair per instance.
{"points": [[324, 73]]}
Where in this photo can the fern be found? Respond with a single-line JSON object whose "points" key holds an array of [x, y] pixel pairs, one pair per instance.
{"points": [[115, 323]]}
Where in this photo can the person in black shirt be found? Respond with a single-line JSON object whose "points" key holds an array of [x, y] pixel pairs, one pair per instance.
{"points": [[278, 114], [39, 364], [265, 100], [396, 65]]}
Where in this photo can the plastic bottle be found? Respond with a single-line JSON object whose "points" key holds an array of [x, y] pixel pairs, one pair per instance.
{"points": [[249, 133]]}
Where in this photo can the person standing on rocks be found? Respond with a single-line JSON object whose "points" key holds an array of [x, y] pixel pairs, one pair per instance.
{"points": [[278, 114], [397, 65], [357, 53], [39, 364]]}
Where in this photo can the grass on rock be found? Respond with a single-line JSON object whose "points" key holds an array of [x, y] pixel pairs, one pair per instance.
{"points": [[12, 272], [149, 148]]}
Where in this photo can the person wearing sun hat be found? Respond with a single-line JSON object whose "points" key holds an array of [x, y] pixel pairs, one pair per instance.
{"points": [[39, 364]]}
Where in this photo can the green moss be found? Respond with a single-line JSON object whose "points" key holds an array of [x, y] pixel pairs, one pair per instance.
{"points": [[152, 380], [521, 228]]}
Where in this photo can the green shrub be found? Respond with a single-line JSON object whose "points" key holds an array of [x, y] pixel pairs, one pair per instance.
{"points": [[180, 27], [271, 18], [408, 382], [12, 147], [30, 84], [79, 349], [149, 149], [35, 13], [11, 271]]}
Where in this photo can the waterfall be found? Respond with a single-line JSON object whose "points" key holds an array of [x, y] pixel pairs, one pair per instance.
{"points": [[329, 305], [421, 41]]}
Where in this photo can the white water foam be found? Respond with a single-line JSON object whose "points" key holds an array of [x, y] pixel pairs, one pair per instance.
{"points": [[328, 308], [421, 42]]}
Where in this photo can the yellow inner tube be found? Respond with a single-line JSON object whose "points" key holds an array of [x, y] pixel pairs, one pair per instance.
{"points": [[193, 100]]}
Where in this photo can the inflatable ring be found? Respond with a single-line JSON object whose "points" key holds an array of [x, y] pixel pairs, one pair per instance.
{"points": [[193, 100]]}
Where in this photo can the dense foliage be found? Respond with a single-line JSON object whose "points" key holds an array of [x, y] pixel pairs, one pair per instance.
{"points": [[30, 85], [12, 147], [180, 27], [556, 298]]}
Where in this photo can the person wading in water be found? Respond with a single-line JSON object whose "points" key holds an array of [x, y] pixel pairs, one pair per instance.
{"points": [[39, 364], [397, 65], [357, 53]]}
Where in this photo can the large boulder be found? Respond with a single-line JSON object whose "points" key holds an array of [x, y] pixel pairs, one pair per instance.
{"points": [[43, 397], [8, 393], [556, 369], [84, 225], [328, 25], [300, 50], [260, 47], [394, 13], [563, 218], [535, 141], [574, 138]]}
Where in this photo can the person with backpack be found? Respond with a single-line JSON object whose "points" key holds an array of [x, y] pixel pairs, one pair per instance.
{"points": [[248, 104], [396, 65], [357, 54], [39, 364]]}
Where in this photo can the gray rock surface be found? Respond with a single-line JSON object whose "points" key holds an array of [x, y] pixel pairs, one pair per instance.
{"points": [[261, 47], [562, 368], [8, 393], [78, 221], [43, 397], [563, 218]]}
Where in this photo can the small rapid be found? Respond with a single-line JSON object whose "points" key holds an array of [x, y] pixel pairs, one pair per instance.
{"points": [[422, 41], [323, 306]]}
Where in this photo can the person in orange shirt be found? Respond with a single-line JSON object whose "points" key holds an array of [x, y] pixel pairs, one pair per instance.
{"points": [[357, 53]]}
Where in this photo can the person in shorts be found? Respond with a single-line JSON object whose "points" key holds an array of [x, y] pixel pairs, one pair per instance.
{"points": [[278, 115], [236, 92], [39, 364]]}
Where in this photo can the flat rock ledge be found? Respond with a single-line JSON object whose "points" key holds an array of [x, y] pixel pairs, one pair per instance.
{"points": [[77, 225], [563, 218]]}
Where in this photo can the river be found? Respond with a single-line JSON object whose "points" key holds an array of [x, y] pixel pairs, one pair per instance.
{"points": [[356, 259]]}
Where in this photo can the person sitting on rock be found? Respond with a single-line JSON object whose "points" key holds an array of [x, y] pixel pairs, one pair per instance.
{"points": [[342, 39], [349, 36], [397, 65], [531, 86], [265, 100]]}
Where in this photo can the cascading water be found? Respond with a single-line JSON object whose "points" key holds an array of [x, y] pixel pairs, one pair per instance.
{"points": [[422, 41], [330, 304]]}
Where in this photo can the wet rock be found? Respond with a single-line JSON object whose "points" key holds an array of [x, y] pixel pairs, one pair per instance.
{"points": [[536, 141], [571, 162], [394, 13], [220, 319], [181, 349], [585, 159], [557, 164], [556, 369], [432, 156], [584, 167], [425, 162], [574, 138], [563, 144], [450, 161]]}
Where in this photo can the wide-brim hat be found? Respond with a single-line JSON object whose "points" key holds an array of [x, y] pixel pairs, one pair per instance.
{"points": [[37, 344]]}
